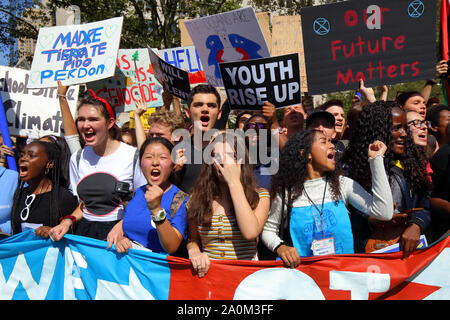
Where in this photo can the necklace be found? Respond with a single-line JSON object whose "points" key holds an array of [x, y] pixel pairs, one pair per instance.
{"points": [[24, 214], [319, 228]]}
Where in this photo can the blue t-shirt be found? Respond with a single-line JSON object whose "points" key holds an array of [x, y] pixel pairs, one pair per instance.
{"points": [[8, 181], [137, 222]]}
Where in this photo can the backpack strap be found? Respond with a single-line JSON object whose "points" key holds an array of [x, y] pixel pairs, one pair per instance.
{"points": [[177, 200], [135, 159], [78, 157]]}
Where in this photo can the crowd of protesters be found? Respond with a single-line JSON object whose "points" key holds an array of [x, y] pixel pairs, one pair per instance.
{"points": [[284, 185]]}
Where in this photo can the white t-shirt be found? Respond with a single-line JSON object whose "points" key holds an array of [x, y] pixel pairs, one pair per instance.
{"points": [[94, 180]]}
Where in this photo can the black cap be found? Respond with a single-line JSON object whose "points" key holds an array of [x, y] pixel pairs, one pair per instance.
{"points": [[322, 114]]}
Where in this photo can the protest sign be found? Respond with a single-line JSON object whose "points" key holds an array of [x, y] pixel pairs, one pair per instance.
{"points": [[187, 59], [381, 42], [144, 118], [249, 84], [32, 109], [173, 79], [75, 53], [287, 38], [132, 81], [225, 37]]}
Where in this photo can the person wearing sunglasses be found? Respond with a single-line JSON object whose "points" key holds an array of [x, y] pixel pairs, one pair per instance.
{"points": [[40, 201]]}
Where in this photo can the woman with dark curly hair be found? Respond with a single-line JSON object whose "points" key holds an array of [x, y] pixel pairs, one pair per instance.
{"points": [[309, 215], [406, 167]]}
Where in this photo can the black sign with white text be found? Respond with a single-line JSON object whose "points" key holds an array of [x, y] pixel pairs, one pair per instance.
{"points": [[173, 79], [250, 83]]}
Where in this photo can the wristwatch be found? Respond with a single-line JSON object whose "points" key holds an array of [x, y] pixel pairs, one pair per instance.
{"points": [[160, 216]]}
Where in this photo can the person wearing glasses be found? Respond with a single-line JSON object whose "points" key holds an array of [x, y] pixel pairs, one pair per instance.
{"points": [[40, 201], [405, 165]]}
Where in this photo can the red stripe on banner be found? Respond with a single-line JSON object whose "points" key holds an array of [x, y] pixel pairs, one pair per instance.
{"points": [[445, 8], [338, 277]]}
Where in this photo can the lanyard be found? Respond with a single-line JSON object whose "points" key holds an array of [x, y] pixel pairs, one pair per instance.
{"points": [[319, 228]]}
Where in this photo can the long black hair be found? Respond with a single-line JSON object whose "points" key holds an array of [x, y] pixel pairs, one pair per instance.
{"points": [[54, 175], [64, 154], [292, 172], [375, 123]]}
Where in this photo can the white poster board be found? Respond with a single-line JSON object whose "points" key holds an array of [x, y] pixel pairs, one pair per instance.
{"points": [[227, 37], [75, 53], [32, 109], [187, 59], [133, 80]]}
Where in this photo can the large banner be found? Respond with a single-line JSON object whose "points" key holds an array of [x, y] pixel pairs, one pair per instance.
{"points": [[250, 83], [75, 53], [82, 268], [133, 80], [230, 36], [381, 42], [32, 109]]}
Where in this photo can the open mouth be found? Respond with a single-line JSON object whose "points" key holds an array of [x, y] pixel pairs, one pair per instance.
{"points": [[23, 170], [155, 174], [330, 156], [422, 114], [89, 135], [205, 120]]}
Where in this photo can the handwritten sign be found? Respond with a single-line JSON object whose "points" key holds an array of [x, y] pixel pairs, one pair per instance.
{"points": [[225, 37], [381, 42], [75, 53], [133, 80], [32, 109], [185, 58], [249, 84], [174, 80]]}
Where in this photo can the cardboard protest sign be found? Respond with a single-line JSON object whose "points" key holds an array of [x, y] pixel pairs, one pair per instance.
{"points": [[287, 38], [32, 109], [249, 84], [75, 53], [381, 42], [132, 81], [225, 37], [187, 59], [144, 118], [173, 79]]}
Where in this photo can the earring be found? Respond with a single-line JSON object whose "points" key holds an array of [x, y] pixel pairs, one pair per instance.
{"points": [[47, 170]]}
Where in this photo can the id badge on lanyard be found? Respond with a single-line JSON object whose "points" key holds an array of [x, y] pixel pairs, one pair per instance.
{"points": [[323, 244]]}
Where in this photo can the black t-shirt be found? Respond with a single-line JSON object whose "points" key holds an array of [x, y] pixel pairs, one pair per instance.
{"points": [[187, 176], [39, 209], [440, 164]]}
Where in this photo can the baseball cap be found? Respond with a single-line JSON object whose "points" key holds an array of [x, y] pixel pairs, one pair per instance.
{"points": [[320, 114]]}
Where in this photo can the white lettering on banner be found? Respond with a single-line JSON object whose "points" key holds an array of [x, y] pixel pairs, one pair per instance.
{"points": [[278, 283], [72, 279], [22, 274], [360, 283], [437, 274], [107, 290]]}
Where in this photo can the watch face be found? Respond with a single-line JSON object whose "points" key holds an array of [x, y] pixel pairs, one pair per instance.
{"points": [[162, 214]]}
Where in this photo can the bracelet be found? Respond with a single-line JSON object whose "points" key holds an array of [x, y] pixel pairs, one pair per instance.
{"points": [[431, 81], [61, 96], [70, 217]]}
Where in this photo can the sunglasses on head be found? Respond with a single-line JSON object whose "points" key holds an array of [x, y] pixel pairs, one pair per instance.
{"points": [[256, 125]]}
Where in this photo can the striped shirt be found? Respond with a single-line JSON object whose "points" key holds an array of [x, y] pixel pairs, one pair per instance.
{"points": [[223, 239]]}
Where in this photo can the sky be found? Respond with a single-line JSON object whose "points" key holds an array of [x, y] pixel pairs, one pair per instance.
{"points": [[4, 58]]}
